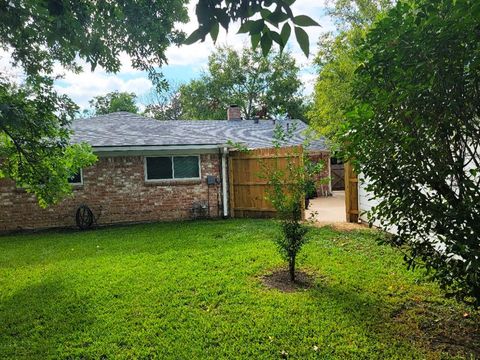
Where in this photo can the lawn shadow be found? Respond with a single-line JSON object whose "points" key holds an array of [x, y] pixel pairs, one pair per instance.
{"points": [[362, 316], [37, 320], [424, 326]]}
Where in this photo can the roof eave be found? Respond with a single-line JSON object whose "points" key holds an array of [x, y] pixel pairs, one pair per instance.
{"points": [[138, 150]]}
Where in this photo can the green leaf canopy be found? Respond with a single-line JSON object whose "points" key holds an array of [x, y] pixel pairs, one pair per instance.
{"points": [[415, 134]]}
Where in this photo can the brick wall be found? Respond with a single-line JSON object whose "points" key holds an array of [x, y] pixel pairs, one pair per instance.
{"points": [[115, 189], [322, 190]]}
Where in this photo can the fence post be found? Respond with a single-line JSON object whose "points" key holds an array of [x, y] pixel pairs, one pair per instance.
{"points": [[351, 194], [300, 159]]}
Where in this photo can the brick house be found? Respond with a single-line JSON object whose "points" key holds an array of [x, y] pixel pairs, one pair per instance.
{"points": [[150, 170]]}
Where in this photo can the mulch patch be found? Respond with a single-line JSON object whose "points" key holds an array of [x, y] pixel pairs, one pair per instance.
{"points": [[280, 279]]}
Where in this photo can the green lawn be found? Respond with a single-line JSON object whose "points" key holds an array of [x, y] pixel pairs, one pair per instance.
{"points": [[192, 290]]}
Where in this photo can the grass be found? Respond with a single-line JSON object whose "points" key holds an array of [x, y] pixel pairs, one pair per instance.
{"points": [[193, 290]]}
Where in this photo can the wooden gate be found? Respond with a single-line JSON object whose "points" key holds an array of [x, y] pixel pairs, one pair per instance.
{"points": [[351, 194], [338, 176], [247, 188]]}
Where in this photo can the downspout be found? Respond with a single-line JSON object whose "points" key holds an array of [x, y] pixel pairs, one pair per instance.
{"points": [[224, 182]]}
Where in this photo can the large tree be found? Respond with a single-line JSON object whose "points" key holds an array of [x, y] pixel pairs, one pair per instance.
{"points": [[415, 135], [248, 79], [34, 120], [41, 34], [336, 64], [34, 148], [114, 101]]}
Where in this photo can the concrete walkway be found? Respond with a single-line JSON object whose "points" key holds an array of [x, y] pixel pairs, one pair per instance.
{"points": [[329, 209]]}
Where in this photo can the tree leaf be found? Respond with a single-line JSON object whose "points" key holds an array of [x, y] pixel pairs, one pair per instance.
{"points": [[265, 13], [266, 43], [252, 26], [198, 34], [303, 41], [222, 18], [214, 32], [245, 27], [277, 17], [285, 34], [255, 38], [257, 27], [304, 20], [277, 38]]}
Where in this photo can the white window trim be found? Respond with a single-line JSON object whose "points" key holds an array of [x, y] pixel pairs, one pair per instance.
{"points": [[81, 180], [173, 169]]}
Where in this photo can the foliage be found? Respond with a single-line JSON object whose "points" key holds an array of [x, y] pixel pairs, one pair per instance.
{"points": [[258, 84], [288, 185], [148, 291], [258, 20], [238, 146], [336, 63], [34, 120], [40, 33], [415, 134], [350, 14], [333, 87], [113, 102], [164, 104], [33, 147]]}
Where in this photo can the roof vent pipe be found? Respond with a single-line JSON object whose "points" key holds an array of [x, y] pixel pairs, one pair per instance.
{"points": [[234, 113]]}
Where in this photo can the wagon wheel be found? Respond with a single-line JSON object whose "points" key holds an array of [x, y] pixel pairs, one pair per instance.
{"points": [[84, 217]]}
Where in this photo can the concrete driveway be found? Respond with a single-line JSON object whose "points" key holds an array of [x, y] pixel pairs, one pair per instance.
{"points": [[329, 209]]}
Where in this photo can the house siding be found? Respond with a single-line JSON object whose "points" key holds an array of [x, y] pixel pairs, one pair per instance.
{"points": [[115, 190], [365, 199]]}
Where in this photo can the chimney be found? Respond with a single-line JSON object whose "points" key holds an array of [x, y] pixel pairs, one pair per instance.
{"points": [[234, 113]]}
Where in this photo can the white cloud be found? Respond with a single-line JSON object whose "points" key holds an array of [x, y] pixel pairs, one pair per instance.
{"points": [[82, 87]]}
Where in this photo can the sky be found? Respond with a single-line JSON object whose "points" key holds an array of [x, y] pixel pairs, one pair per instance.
{"points": [[186, 62]]}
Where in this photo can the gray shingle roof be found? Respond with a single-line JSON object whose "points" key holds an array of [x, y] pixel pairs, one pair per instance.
{"points": [[126, 129]]}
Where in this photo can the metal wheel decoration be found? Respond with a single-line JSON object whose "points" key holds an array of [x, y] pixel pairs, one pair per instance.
{"points": [[84, 217]]}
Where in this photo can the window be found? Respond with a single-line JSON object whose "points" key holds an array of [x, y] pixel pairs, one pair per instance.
{"points": [[172, 167], [186, 167], [159, 168], [76, 179]]}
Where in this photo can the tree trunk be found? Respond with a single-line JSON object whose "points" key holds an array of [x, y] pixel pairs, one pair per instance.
{"points": [[291, 267]]}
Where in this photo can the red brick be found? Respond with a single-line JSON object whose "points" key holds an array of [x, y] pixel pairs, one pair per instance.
{"points": [[115, 190]]}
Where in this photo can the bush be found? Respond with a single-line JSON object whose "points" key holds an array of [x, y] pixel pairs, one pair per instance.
{"points": [[415, 134]]}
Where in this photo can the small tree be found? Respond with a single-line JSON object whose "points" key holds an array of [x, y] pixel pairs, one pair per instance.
{"points": [[289, 183]]}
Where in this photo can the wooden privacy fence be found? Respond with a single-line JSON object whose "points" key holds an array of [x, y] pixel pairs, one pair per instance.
{"points": [[247, 188], [351, 193]]}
